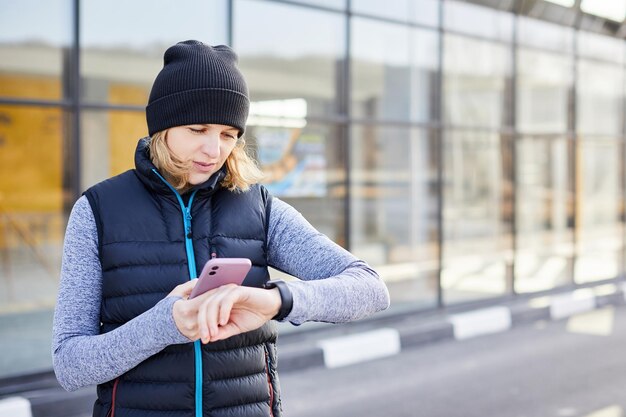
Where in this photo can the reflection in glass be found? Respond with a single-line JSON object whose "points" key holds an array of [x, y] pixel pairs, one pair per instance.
{"points": [[393, 204], [392, 83], [543, 85], [118, 66], [305, 64], [599, 98], [594, 45], [108, 141], [425, 12], [474, 81], [332, 4], [544, 235], [540, 34], [304, 167], [33, 38], [475, 231], [32, 223], [477, 20], [599, 194]]}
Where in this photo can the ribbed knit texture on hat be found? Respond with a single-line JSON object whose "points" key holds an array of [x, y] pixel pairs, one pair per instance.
{"points": [[199, 84]]}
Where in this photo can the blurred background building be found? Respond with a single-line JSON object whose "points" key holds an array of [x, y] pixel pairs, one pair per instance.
{"points": [[470, 151]]}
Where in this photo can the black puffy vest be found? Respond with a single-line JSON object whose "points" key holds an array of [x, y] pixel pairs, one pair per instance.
{"points": [[145, 252]]}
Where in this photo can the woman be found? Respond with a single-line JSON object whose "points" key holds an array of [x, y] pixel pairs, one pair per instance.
{"points": [[134, 243]]}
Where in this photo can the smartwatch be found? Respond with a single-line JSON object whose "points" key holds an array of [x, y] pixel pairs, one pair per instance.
{"points": [[285, 296]]}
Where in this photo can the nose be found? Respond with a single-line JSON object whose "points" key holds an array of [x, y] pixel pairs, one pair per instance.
{"points": [[211, 145]]}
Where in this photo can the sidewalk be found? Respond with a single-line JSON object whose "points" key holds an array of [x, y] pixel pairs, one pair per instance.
{"points": [[330, 346]]}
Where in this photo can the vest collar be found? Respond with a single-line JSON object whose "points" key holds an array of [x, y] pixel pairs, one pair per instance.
{"points": [[145, 171]]}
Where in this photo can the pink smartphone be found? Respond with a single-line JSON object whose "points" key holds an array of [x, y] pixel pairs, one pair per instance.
{"points": [[221, 271]]}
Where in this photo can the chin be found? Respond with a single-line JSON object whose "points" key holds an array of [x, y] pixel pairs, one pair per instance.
{"points": [[198, 179]]}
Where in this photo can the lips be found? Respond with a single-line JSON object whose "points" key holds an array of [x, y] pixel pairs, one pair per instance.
{"points": [[203, 166]]}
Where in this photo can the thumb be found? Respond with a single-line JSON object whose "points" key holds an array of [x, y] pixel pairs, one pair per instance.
{"points": [[184, 290]]}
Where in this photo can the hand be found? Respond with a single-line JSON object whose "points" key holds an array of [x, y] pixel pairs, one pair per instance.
{"points": [[224, 311], [234, 309], [185, 318]]}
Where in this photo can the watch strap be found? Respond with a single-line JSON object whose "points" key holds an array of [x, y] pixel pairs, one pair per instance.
{"points": [[285, 296]]}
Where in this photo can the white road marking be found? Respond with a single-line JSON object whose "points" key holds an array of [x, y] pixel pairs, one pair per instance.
{"points": [[565, 305], [15, 407], [479, 322], [347, 350]]}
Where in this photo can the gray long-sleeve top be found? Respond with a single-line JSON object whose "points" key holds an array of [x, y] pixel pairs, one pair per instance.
{"points": [[333, 286]]}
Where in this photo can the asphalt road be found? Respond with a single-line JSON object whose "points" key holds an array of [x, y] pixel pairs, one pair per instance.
{"points": [[569, 368]]}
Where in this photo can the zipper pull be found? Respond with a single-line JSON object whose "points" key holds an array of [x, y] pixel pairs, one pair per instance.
{"points": [[188, 226], [213, 252]]}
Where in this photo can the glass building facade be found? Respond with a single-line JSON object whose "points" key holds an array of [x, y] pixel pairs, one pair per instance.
{"points": [[469, 152]]}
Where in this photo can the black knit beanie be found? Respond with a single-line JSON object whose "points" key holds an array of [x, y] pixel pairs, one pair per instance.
{"points": [[199, 84]]}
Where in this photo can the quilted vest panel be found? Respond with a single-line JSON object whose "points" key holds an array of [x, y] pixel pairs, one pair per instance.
{"points": [[142, 252]]}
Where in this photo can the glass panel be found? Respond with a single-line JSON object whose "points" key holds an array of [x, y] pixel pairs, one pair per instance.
{"points": [[543, 85], [474, 81], [425, 12], [118, 66], [304, 167], [332, 4], [539, 34], [108, 142], [476, 236], [32, 224], [599, 98], [392, 83], [394, 210], [477, 20], [33, 41], [593, 45], [543, 215], [599, 194], [295, 53]]}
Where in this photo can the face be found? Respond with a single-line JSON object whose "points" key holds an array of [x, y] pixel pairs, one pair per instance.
{"points": [[206, 146]]}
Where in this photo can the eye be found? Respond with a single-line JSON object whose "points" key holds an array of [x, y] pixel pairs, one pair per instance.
{"points": [[195, 130], [230, 135]]}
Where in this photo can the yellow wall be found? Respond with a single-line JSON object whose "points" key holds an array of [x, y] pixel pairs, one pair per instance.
{"points": [[31, 162], [30, 148], [125, 127]]}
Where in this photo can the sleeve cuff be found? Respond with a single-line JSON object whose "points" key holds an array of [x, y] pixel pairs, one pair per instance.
{"points": [[171, 330]]}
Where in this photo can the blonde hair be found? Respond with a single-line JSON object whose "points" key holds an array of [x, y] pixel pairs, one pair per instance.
{"points": [[241, 170]]}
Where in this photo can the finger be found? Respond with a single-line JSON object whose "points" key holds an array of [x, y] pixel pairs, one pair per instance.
{"points": [[207, 315], [226, 306], [188, 287], [226, 331], [203, 328], [183, 290], [220, 300], [216, 304], [201, 303]]}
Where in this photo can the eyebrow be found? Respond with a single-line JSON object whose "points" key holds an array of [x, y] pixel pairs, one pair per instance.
{"points": [[230, 129]]}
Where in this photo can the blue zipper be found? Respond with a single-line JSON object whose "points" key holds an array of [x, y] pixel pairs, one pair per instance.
{"points": [[193, 273]]}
